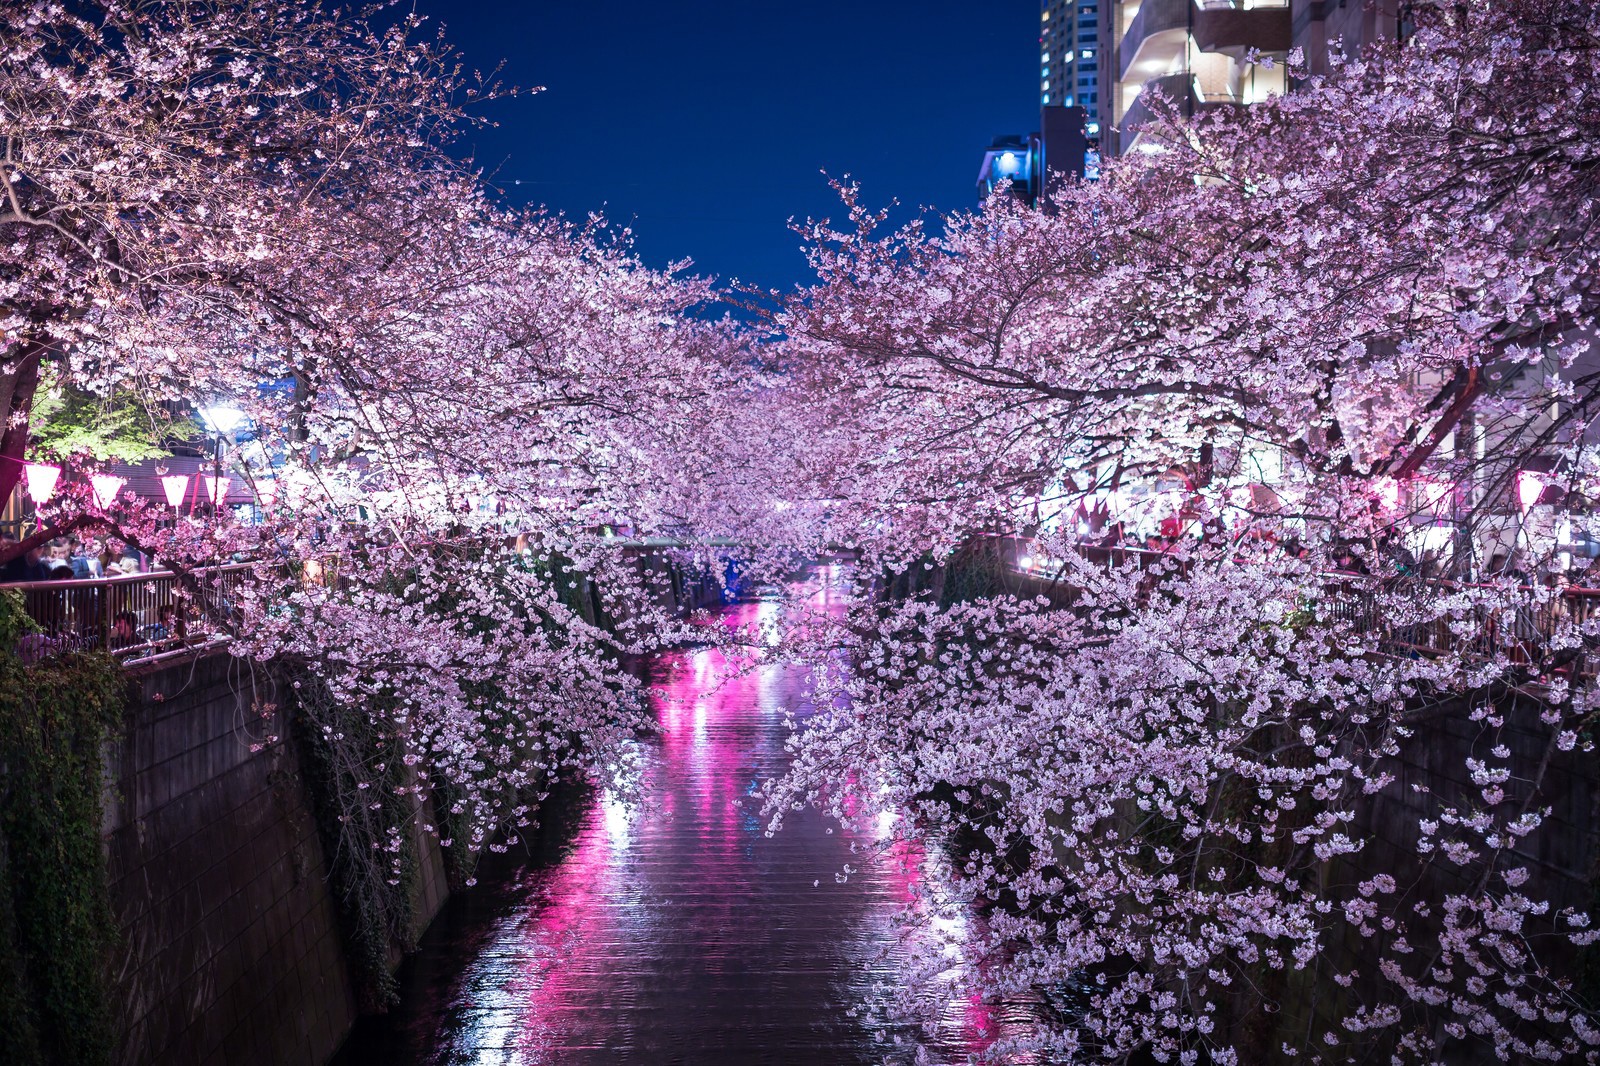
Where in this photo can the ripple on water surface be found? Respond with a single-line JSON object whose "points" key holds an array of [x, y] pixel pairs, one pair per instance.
{"points": [[669, 929]]}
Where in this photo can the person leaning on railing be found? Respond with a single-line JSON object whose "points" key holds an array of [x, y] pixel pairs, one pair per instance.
{"points": [[124, 631], [27, 567]]}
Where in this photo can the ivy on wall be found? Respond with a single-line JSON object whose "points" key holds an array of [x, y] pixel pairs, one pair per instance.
{"points": [[338, 746], [55, 915]]}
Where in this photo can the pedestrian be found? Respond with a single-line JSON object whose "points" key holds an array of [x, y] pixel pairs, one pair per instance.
{"points": [[124, 631]]}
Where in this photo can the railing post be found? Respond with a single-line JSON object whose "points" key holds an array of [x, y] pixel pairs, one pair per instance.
{"points": [[107, 615]]}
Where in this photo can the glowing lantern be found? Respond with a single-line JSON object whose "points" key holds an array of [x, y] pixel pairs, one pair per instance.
{"points": [[175, 486], [216, 488], [41, 482], [106, 487], [1529, 488]]}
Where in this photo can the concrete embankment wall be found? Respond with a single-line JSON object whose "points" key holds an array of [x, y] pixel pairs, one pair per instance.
{"points": [[229, 943], [228, 936]]}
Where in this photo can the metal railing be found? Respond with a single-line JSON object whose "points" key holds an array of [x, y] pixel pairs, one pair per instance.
{"points": [[1523, 631], [132, 616]]}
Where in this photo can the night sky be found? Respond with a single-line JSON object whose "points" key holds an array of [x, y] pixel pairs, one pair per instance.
{"points": [[705, 124]]}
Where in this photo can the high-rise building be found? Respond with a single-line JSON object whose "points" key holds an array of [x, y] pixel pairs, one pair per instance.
{"points": [[1196, 51], [1069, 57]]}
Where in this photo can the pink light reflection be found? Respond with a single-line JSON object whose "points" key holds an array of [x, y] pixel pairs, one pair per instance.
{"points": [[676, 928]]}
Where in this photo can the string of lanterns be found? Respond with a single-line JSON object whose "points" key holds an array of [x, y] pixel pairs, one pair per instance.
{"points": [[41, 480]]}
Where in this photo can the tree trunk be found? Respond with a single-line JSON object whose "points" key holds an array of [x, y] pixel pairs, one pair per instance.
{"points": [[18, 382]]}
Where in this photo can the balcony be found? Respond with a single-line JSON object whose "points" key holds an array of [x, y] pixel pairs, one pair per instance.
{"points": [[1179, 87], [1157, 40]]}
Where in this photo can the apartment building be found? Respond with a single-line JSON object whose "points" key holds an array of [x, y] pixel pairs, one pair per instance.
{"points": [[1196, 51], [1069, 57]]}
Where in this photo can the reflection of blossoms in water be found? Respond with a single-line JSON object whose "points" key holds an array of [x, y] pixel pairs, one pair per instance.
{"points": [[923, 995]]}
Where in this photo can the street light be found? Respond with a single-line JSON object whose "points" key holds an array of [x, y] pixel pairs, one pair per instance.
{"points": [[222, 418]]}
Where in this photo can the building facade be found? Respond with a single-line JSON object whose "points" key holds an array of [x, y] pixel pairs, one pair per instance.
{"points": [[1197, 52], [1069, 57]]}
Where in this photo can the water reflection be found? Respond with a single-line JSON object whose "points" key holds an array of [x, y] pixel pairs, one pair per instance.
{"points": [[668, 928]]}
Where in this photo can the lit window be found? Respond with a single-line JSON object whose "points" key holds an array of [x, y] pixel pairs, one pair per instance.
{"points": [[1046, 85], [1087, 53], [1067, 102], [1046, 98], [1045, 58], [1045, 17]]}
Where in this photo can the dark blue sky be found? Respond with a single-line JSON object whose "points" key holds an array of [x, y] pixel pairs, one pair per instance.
{"points": [[706, 123]]}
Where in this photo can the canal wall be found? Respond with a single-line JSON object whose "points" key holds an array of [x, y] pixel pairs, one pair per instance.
{"points": [[229, 944], [229, 947], [1430, 775]]}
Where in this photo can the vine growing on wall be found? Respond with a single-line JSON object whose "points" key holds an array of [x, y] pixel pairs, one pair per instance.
{"points": [[55, 916], [371, 858]]}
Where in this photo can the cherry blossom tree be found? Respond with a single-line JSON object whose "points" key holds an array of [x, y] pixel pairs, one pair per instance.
{"points": [[158, 155], [448, 401], [1171, 782]]}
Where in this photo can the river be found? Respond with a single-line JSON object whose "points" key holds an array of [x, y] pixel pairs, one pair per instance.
{"points": [[669, 928]]}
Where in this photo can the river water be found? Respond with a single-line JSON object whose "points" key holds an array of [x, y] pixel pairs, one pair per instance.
{"points": [[670, 929]]}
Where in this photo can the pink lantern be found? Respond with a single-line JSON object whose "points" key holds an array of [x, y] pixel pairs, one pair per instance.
{"points": [[41, 482], [216, 488], [175, 486], [106, 487], [1529, 488]]}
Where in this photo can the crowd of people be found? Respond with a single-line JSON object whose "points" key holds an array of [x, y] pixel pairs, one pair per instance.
{"points": [[121, 618], [69, 558]]}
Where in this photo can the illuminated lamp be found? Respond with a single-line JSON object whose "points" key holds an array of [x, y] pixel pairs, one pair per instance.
{"points": [[216, 488], [41, 482], [222, 418], [1008, 164], [1529, 488], [1431, 495], [106, 487], [175, 486]]}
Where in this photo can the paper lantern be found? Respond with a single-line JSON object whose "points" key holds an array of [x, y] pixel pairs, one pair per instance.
{"points": [[1430, 496], [175, 486], [216, 488], [41, 482], [106, 487], [1529, 488]]}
